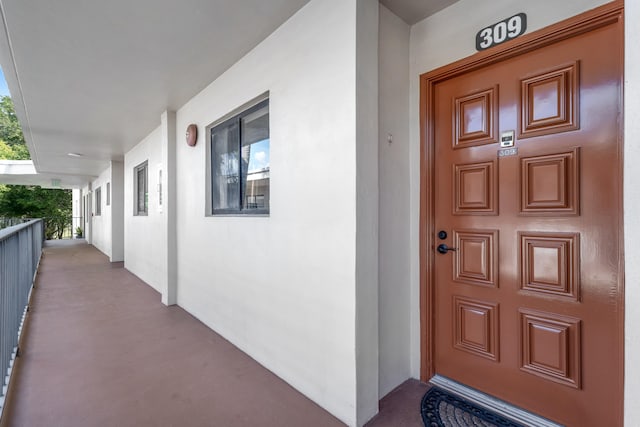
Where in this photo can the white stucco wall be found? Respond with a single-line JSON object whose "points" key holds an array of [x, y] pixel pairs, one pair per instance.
{"points": [[282, 287], [144, 246], [168, 284], [117, 211], [367, 190], [439, 40], [107, 229], [631, 209], [101, 224], [395, 290], [76, 209], [87, 209]]}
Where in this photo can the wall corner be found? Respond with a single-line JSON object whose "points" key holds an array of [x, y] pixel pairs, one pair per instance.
{"points": [[168, 190], [117, 211], [366, 287]]}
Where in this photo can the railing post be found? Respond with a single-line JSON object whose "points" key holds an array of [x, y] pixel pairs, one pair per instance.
{"points": [[20, 251]]}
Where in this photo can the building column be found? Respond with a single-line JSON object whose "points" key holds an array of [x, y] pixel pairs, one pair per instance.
{"points": [[168, 193], [367, 191], [88, 229], [117, 211]]}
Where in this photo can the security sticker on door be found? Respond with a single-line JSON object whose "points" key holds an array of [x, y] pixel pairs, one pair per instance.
{"points": [[507, 139]]}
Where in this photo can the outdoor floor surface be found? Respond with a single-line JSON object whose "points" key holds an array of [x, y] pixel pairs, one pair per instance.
{"points": [[100, 349]]}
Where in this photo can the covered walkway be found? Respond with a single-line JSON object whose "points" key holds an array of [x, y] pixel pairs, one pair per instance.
{"points": [[101, 350]]}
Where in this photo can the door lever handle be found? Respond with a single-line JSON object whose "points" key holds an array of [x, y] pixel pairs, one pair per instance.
{"points": [[443, 249]]}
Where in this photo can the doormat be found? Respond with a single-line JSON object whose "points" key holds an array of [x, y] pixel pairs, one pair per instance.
{"points": [[442, 409]]}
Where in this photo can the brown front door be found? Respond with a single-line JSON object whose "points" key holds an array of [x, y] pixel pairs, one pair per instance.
{"points": [[527, 303]]}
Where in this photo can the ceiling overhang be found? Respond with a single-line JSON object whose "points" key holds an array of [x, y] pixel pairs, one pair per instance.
{"points": [[23, 172], [94, 77]]}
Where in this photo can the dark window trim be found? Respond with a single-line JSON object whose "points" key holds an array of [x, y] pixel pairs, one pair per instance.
{"points": [[98, 201], [235, 119], [136, 211]]}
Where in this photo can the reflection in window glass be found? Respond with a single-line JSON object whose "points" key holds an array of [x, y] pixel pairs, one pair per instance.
{"points": [[240, 162]]}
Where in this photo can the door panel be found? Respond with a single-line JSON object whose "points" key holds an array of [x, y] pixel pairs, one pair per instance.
{"points": [[550, 184], [527, 301]]}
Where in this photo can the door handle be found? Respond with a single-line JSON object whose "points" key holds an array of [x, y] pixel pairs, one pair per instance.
{"points": [[443, 249]]}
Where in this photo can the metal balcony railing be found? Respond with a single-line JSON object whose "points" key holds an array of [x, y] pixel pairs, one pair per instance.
{"points": [[55, 227], [20, 250], [8, 222]]}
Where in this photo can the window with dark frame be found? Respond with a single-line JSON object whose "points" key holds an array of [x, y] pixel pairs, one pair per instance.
{"points": [[108, 193], [98, 194], [240, 163], [141, 192]]}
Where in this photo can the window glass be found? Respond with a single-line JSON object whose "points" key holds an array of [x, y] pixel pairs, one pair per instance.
{"points": [[240, 161], [255, 159], [141, 202], [226, 178], [98, 201]]}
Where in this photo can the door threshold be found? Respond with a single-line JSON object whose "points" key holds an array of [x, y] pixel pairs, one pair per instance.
{"points": [[491, 403]]}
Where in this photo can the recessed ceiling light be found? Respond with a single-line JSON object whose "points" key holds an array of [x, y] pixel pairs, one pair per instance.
{"points": [[75, 155]]}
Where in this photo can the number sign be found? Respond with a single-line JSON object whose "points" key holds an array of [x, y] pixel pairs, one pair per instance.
{"points": [[501, 32]]}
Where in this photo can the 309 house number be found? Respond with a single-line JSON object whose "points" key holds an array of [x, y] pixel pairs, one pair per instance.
{"points": [[501, 32]]}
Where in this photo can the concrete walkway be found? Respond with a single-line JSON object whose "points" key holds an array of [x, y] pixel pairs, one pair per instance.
{"points": [[101, 350]]}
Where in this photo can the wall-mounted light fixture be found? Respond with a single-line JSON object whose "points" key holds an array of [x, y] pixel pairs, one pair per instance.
{"points": [[192, 135]]}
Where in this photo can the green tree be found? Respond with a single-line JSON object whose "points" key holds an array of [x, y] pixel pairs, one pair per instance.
{"points": [[28, 201], [6, 152], [32, 201], [10, 129], [15, 152], [12, 144]]}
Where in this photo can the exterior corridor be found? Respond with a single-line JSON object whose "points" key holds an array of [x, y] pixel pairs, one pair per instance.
{"points": [[101, 350]]}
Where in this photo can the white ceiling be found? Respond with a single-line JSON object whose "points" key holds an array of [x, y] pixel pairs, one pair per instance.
{"points": [[22, 172], [93, 77], [412, 11]]}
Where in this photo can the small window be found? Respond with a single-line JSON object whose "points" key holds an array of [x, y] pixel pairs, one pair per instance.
{"points": [[140, 191], [98, 201], [240, 163], [108, 193], [160, 188]]}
